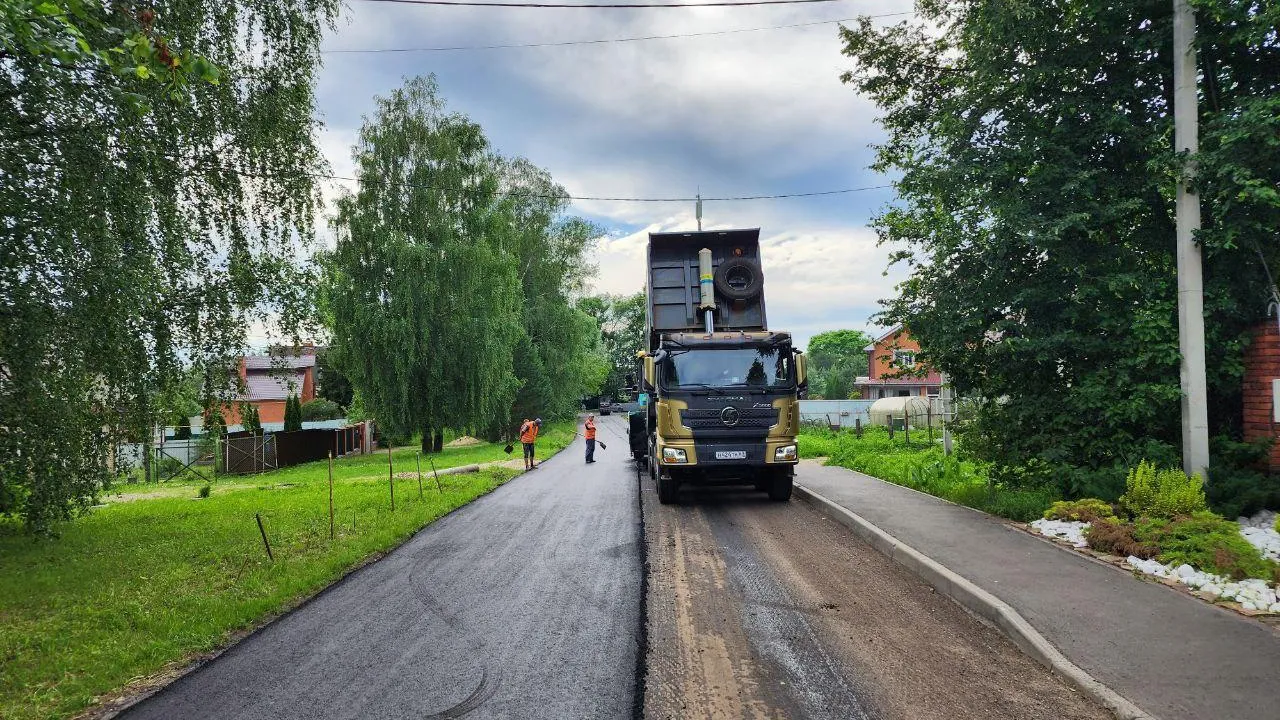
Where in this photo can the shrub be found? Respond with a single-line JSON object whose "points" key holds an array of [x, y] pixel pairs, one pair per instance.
{"points": [[1086, 510], [321, 409], [1109, 535], [1162, 493], [1206, 542], [204, 490], [1233, 492], [292, 414]]}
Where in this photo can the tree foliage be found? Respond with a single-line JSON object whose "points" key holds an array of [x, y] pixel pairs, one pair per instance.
{"points": [[292, 413], [147, 219], [836, 359], [331, 384], [1036, 216], [621, 319], [250, 420], [449, 291]]}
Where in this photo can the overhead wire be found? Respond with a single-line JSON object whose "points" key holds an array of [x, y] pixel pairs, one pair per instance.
{"points": [[731, 198], [603, 41]]}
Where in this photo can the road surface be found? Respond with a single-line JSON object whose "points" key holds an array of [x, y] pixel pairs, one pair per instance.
{"points": [[525, 603], [531, 602]]}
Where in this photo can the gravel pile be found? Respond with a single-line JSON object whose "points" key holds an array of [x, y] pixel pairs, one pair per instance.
{"points": [[1260, 531], [1251, 594]]}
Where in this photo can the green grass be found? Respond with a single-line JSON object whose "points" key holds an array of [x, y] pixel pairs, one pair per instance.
{"points": [[922, 466], [136, 586], [555, 435]]}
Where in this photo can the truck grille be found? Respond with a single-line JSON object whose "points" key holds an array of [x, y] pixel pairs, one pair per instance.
{"points": [[750, 420]]}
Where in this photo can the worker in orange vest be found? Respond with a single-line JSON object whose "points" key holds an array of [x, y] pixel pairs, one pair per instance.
{"points": [[590, 436], [528, 436]]}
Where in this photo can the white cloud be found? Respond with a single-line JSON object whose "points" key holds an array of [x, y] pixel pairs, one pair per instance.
{"points": [[739, 114]]}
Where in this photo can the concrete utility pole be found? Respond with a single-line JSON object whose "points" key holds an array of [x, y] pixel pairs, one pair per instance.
{"points": [[1195, 411], [698, 210]]}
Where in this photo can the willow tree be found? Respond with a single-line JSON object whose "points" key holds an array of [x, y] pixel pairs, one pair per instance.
{"points": [[559, 358], [420, 295], [149, 216]]}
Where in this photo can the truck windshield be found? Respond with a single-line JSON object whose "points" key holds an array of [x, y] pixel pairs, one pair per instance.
{"points": [[729, 368]]}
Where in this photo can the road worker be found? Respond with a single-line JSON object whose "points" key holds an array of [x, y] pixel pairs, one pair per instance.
{"points": [[528, 436], [589, 434]]}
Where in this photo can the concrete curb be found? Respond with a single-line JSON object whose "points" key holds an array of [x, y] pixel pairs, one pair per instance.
{"points": [[980, 602]]}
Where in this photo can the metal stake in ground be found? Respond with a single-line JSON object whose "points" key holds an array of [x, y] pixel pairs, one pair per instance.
{"points": [[391, 479], [265, 544], [906, 427], [330, 495], [417, 459], [439, 489]]}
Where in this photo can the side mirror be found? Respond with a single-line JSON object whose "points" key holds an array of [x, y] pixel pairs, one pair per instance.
{"points": [[802, 374], [650, 374]]}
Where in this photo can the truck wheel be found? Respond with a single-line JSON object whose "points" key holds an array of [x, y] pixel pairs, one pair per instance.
{"points": [[739, 278], [780, 490], [667, 490]]}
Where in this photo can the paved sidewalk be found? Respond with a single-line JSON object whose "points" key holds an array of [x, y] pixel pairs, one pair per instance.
{"points": [[1172, 655]]}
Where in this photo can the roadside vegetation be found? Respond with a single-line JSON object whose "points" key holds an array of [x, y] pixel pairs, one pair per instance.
{"points": [[921, 465], [1162, 526], [145, 583], [1037, 236]]}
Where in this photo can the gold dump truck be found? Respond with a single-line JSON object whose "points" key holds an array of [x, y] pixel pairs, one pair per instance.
{"points": [[721, 390]]}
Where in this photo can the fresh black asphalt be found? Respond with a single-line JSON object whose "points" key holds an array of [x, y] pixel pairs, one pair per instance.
{"points": [[525, 603]]}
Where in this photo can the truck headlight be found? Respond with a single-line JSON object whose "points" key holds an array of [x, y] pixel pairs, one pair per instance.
{"points": [[785, 453], [672, 455]]}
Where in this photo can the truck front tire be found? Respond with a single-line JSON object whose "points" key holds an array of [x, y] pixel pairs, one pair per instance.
{"points": [[780, 489], [668, 490]]}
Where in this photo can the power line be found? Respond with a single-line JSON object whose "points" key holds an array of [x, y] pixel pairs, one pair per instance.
{"points": [[613, 40], [518, 193], [603, 6]]}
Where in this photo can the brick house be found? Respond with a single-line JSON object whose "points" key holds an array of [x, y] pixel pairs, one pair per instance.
{"points": [[1261, 377], [270, 379], [893, 370]]}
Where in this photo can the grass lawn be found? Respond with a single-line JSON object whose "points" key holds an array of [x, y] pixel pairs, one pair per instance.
{"points": [[922, 466], [138, 586]]}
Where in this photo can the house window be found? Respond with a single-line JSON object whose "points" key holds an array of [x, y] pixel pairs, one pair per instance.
{"points": [[904, 358], [904, 393]]}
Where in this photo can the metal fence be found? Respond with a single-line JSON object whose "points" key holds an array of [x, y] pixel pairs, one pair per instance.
{"points": [[835, 413]]}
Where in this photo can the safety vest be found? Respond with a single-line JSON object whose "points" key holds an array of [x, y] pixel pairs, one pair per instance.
{"points": [[591, 429], [529, 432]]}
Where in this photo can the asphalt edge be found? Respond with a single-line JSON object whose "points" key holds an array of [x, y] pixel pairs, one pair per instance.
{"points": [[114, 707], [980, 602]]}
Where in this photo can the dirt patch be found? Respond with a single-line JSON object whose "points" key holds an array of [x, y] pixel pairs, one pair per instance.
{"points": [[464, 441], [920, 654]]}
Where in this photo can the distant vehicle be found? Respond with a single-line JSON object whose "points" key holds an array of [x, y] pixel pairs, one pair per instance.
{"points": [[606, 406]]}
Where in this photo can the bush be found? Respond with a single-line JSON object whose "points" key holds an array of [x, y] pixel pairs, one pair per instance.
{"points": [[1206, 542], [204, 490], [1109, 535], [1233, 492], [1163, 493], [321, 409], [1086, 510]]}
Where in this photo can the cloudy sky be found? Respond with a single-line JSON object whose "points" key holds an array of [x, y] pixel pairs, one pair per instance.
{"points": [[747, 113]]}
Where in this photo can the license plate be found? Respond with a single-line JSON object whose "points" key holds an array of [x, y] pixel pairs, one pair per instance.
{"points": [[731, 454]]}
